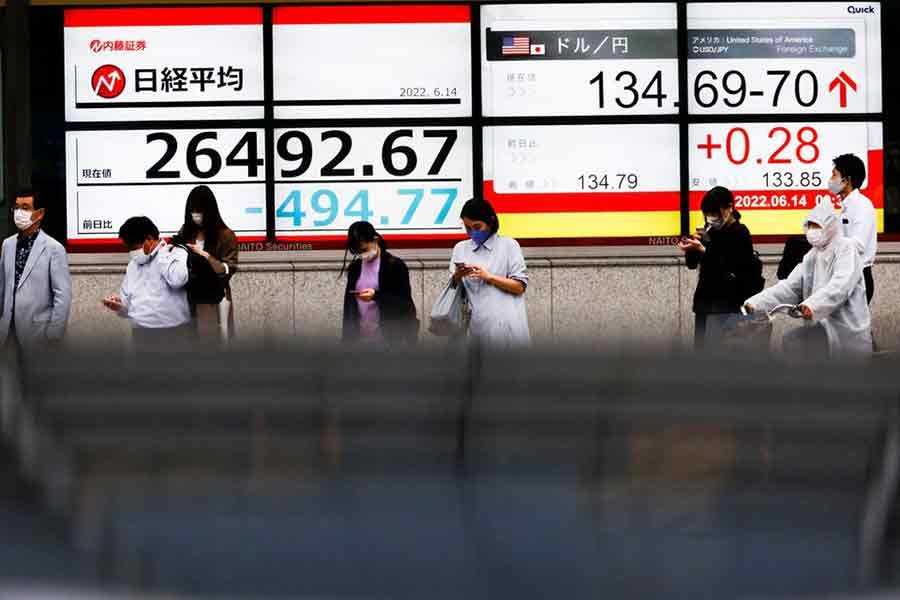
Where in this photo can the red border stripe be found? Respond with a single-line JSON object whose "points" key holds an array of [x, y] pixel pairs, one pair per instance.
{"points": [[355, 14], [387, 235], [411, 242], [95, 242], [874, 189], [115, 244], [160, 17], [592, 202]]}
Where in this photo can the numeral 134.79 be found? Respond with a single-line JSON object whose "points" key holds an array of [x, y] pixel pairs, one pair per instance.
{"points": [[619, 181]]}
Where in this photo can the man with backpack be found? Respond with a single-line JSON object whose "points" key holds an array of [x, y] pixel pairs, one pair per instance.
{"points": [[153, 295]]}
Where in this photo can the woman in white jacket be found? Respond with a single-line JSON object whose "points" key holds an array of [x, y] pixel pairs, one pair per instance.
{"points": [[829, 287]]}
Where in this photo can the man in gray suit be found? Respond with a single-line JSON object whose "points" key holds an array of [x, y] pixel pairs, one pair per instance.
{"points": [[34, 279]]}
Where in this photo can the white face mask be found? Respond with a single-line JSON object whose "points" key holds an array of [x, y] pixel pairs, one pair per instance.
{"points": [[22, 218], [714, 223], [369, 256], [835, 186], [197, 218], [139, 257], [815, 237]]}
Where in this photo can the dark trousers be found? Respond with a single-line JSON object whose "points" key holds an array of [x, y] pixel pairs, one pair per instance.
{"points": [[870, 284], [870, 292], [699, 330], [806, 341], [163, 339]]}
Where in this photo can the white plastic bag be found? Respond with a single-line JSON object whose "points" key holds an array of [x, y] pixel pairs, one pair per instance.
{"points": [[224, 320], [447, 317]]}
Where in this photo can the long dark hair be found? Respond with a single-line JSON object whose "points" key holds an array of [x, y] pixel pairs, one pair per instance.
{"points": [[361, 232], [202, 200]]}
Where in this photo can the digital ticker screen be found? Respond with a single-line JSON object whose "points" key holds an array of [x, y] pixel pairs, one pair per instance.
{"points": [[812, 59], [567, 117]]}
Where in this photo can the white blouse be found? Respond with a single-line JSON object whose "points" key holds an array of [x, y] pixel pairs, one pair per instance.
{"points": [[499, 319]]}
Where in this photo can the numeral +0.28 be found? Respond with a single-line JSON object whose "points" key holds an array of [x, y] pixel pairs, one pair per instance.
{"points": [[806, 152]]}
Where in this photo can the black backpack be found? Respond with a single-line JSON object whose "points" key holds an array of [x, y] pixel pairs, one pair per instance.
{"points": [[204, 285], [753, 281]]}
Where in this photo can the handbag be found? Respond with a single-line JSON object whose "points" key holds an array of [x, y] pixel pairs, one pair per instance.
{"points": [[447, 313], [204, 285]]}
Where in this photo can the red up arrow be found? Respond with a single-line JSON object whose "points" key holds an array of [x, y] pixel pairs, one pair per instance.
{"points": [[842, 81]]}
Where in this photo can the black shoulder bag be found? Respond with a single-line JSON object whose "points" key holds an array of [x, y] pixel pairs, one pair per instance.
{"points": [[204, 285]]}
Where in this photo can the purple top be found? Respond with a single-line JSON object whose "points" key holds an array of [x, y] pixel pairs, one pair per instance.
{"points": [[369, 318]]}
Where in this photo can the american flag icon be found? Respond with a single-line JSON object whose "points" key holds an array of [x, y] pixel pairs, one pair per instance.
{"points": [[515, 45]]}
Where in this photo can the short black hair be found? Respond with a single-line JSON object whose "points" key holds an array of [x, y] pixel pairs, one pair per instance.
{"points": [[478, 209], [717, 199], [25, 192], [851, 167], [137, 229]]}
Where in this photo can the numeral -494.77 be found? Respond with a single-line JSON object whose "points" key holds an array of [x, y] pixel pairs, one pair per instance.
{"points": [[322, 207]]}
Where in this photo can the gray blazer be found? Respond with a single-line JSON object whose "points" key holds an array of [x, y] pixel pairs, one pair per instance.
{"points": [[44, 296]]}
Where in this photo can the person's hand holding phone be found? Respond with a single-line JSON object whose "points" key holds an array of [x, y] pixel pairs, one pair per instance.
{"points": [[688, 244], [366, 295], [113, 303], [196, 249], [462, 270]]}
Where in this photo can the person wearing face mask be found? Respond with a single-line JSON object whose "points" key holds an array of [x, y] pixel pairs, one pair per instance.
{"points": [[35, 285], [378, 304], [492, 269], [858, 218], [730, 270], [205, 234], [829, 287], [153, 297]]}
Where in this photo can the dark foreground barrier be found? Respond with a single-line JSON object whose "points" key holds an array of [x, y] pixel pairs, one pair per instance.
{"points": [[315, 472]]}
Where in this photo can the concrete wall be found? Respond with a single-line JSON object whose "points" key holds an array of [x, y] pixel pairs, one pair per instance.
{"points": [[576, 295]]}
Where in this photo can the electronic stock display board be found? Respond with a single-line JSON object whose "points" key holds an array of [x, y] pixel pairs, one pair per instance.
{"points": [[370, 115], [817, 59]]}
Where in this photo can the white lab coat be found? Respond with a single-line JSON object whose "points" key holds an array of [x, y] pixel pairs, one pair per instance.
{"points": [[859, 222], [829, 281]]}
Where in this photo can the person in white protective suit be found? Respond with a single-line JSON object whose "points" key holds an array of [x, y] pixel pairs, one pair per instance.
{"points": [[829, 287]]}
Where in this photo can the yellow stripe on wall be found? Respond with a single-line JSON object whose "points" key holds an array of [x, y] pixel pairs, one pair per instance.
{"points": [[776, 222], [585, 225]]}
